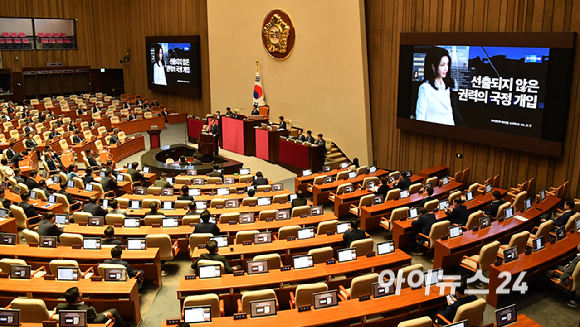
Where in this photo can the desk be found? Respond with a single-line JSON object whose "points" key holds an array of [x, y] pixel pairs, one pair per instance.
{"points": [[147, 260], [214, 211], [102, 295], [39, 206], [203, 197], [438, 171], [232, 285], [449, 252], [300, 182], [8, 225], [394, 309], [86, 144], [238, 135], [533, 264], [525, 321], [139, 125], [320, 192], [238, 185], [267, 145], [403, 231], [75, 192], [127, 148], [194, 127], [176, 118], [296, 157], [370, 216], [148, 177]]}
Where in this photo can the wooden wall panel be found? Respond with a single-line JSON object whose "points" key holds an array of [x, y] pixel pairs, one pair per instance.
{"points": [[396, 149], [108, 29]]}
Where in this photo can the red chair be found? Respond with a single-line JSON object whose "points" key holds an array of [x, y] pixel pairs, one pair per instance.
{"points": [[8, 41], [25, 40], [48, 34], [62, 34], [66, 41], [59, 40], [13, 34], [21, 34], [5, 34], [41, 35]]}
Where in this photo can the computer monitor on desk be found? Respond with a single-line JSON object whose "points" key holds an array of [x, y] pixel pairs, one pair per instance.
{"points": [[302, 261], [72, 318], [263, 308], [257, 267], [197, 314], [10, 317], [325, 299], [346, 255], [506, 316]]}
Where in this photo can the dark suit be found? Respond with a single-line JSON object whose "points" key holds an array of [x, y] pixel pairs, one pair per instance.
{"points": [[29, 143], [301, 138], [71, 128], [96, 109], [404, 183], [92, 315], [51, 164], [206, 228], [114, 139], [310, 139], [566, 270], [108, 184], [451, 310], [322, 143], [10, 154], [154, 103], [255, 112], [92, 161], [88, 179], [80, 112], [28, 129], [31, 183], [76, 139], [139, 103], [298, 202], [424, 223], [154, 213], [162, 183], [352, 235], [185, 197], [5, 202], [492, 210], [28, 210], [215, 173], [53, 135], [20, 179], [215, 130], [47, 228], [111, 241], [260, 181], [135, 175], [214, 257], [383, 190], [131, 117], [95, 209], [69, 197], [458, 215], [425, 200], [563, 219], [282, 125]]}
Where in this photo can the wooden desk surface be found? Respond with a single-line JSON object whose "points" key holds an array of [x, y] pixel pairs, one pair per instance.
{"points": [[204, 197], [320, 192], [534, 264], [127, 147], [433, 171], [448, 252], [67, 252], [370, 216], [525, 321], [140, 125], [242, 209], [38, 204], [8, 225], [409, 302], [276, 276], [216, 186]]}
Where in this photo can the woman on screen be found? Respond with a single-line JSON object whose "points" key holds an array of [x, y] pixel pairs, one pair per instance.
{"points": [[159, 67], [434, 101]]}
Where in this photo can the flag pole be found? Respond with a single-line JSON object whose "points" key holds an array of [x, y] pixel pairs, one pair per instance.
{"points": [[257, 64]]}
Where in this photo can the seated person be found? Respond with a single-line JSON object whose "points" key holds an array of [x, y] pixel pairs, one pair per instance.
{"points": [[116, 254], [108, 182], [154, 206], [74, 301], [115, 206], [384, 188], [355, 165], [461, 297], [404, 182], [185, 194], [91, 159], [18, 176], [136, 176], [28, 208], [459, 214], [562, 274], [47, 227], [260, 180], [94, 208], [354, 233], [88, 178], [300, 137], [251, 193], [195, 160], [76, 139], [63, 187], [212, 254], [429, 192], [72, 172], [205, 226], [162, 182], [110, 237], [423, 223], [43, 187], [30, 182], [281, 123], [114, 138], [300, 200], [561, 220], [495, 204], [5, 202], [216, 172], [191, 210]]}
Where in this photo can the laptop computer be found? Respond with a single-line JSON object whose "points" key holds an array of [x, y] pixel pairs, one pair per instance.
{"points": [[135, 204], [61, 219], [386, 247], [325, 299], [170, 180], [132, 222], [352, 174], [10, 317], [96, 221], [488, 188], [372, 170], [302, 261], [192, 172], [229, 180], [262, 308], [380, 291], [577, 224], [510, 254], [223, 191], [509, 213], [8, 239], [167, 205], [345, 255], [343, 165], [506, 316], [222, 240], [484, 222], [560, 233], [200, 205], [538, 243], [305, 172], [263, 237], [542, 195], [443, 204], [404, 194], [167, 191], [170, 222], [72, 318], [20, 271], [115, 274], [264, 201], [244, 171], [413, 213], [341, 228], [445, 180], [283, 214], [70, 184], [3, 212], [70, 274], [305, 233], [231, 203], [136, 244], [146, 170], [276, 187], [197, 314], [140, 190], [257, 267], [315, 211], [432, 277], [92, 243], [194, 192], [210, 271], [246, 218], [120, 178], [463, 323], [468, 196], [527, 204]]}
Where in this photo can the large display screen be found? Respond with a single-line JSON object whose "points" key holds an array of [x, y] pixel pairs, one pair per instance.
{"points": [[173, 64], [478, 89]]}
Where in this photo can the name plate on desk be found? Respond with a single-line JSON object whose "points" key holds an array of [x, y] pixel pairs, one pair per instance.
{"points": [[212, 193], [403, 218], [232, 222], [445, 237], [500, 219], [269, 219], [77, 246], [239, 273], [219, 207], [192, 224], [552, 241], [201, 246], [282, 202], [117, 225], [33, 244], [364, 297], [156, 225], [291, 238], [528, 251], [252, 205], [498, 262], [82, 224], [240, 192], [4, 275], [172, 321], [48, 277], [96, 278], [370, 255], [238, 316], [329, 233], [285, 268], [304, 308], [247, 243], [49, 324], [189, 277], [476, 228], [331, 261], [266, 190], [304, 215]]}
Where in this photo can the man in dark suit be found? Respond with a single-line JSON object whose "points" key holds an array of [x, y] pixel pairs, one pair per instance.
{"points": [[71, 127], [205, 226], [384, 188], [212, 254], [59, 122], [69, 198], [47, 227], [131, 116], [459, 214], [18, 157], [162, 182], [138, 102], [10, 153], [215, 130], [154, 102], [88, 178], [429, 191], [282, 123], [116, 254], [91, 159], [110, 237], [114, 138], [309, 138], [28, 208], [260, 180], [75, 301], [216, 172], [461, 297], [563, 274], [300, 137], [80, 111], [136, 176], [424, 223], [559, 221], [77, 137], [43, 188], [195, 160], [108, 183], [321, 142], [154, 206], [184, 196], [96, 109], [495, 204], [54, 133], [28, 129], [30, 182], [404, 182], [255, 110], [94, 208], [50, 162], [300, 200], [354, 233], [18, 176], [29, 143]]}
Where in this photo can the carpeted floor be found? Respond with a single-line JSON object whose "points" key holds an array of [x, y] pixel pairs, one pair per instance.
{"points": [[546, 308]]}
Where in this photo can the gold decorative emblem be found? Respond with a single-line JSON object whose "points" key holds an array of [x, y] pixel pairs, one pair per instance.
{"points": [[278, 34]]}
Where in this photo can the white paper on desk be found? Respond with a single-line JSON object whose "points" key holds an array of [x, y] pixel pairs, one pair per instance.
{"points": [[374, 188], [520, 218]]}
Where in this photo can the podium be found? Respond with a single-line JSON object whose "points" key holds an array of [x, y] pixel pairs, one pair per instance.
{"points": [[154, 138], [267, 145], [206, 143]]}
